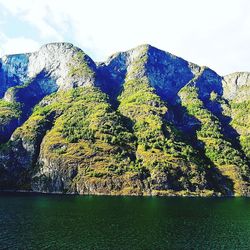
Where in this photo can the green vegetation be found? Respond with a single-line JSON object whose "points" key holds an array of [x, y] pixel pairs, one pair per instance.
{"points": [[220, 151], [79, 66], [240, 113], [9, 111], [14, 89], [160, 148], [213, 96], [83, 130], [86, 131]]}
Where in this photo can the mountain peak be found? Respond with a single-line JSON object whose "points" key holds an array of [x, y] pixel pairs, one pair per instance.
{"points": [[57, 45], [166, 72]]}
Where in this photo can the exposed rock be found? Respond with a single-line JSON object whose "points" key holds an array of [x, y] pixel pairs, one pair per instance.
{"points": [[237, 86], [27, 78]]}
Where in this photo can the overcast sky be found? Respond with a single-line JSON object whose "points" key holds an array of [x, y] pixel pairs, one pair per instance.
{"points": [[215, 33]]}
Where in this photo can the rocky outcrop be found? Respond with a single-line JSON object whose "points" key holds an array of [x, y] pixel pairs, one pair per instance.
{"points": [[60, 61], [13, 71], [237, 86], [166, 72], [54, 66], [27, 78]]}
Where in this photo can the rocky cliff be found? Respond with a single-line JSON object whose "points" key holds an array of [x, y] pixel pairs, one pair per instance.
{"points": [[145, 122]]}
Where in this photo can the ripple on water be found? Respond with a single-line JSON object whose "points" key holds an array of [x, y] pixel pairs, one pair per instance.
{"points": [[29, 221]]}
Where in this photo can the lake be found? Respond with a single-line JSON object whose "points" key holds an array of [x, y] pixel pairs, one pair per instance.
{"points": [[36, 221]]}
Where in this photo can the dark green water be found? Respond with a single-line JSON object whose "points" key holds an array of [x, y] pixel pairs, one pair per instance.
{"points": [[31, 221]]}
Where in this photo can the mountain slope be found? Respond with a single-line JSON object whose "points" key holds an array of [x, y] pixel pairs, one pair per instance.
{"points": [[26, 79], [145, 122]]}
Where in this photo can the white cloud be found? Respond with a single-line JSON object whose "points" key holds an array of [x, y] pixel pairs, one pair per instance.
{"points": [[209, 32], [37, 14], [17, 45]]}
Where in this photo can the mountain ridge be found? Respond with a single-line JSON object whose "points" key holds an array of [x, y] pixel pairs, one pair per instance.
{"points": [[145, 122]]}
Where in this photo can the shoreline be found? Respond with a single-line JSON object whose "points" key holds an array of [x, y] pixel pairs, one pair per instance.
{"points": [[118, 195]]}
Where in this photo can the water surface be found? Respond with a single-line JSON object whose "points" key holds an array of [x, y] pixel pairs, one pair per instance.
{"points": [[33, 221]]}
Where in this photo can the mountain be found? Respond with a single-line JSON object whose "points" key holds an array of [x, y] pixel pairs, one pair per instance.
{"points": [[144, 122]]}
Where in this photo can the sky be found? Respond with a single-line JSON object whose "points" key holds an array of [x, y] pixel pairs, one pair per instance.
{"points": [[213, 33]]}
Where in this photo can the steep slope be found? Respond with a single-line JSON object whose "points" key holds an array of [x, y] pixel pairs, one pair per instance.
{"points": [[87, 143], [145, 122], [230, 161], [171, 77], [25, 79], [237, 91], [165, 72]]}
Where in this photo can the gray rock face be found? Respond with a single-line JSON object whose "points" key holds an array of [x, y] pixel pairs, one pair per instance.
{"points": [[57, 60], [237, 85], [13, 71], [50, 66], [165, 72], [27, 78]]}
